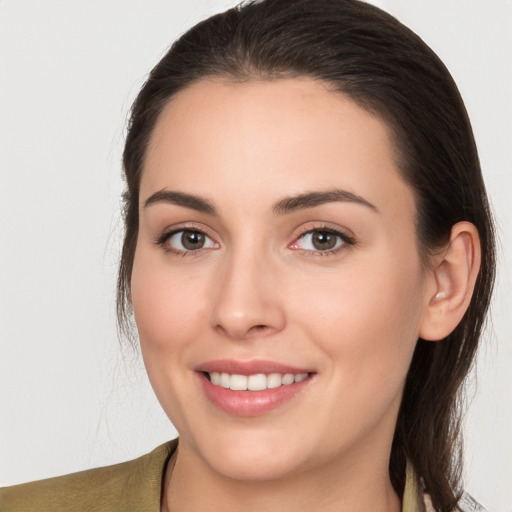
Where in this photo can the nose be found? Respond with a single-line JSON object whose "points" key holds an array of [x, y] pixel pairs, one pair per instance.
{"points": [[247, 303]]}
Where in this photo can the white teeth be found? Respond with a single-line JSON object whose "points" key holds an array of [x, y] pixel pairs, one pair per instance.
{"points": [[274, 380], [288, 378], [256, 382], [224, 380], [238, 382]]}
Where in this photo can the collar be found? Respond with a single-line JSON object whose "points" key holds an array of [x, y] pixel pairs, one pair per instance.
{"points": [[414, 498]]}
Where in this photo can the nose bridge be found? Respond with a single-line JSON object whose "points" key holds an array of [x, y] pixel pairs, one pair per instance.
{"points": [[246, 302]]}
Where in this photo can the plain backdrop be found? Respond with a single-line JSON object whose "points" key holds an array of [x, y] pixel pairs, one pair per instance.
{"points": [[71, 397]]}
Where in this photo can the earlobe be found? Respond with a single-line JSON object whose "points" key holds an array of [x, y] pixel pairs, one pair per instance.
{"points": [[453, 277]]}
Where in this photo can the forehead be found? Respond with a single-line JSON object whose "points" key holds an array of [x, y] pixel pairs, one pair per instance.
{"points": [[271, 138]]}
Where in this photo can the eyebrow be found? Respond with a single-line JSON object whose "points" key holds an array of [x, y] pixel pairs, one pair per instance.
{"points": [[286, 205], [181, 199], [312, 199]]}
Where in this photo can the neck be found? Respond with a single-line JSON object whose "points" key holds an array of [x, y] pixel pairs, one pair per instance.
{"points": [[353, 487]]}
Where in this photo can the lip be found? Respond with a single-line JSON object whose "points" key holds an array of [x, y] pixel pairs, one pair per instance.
{"points": [[249, 367], [250, 403]]}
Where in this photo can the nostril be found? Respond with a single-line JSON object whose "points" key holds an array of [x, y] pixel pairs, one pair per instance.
{"points": [[259, 329]]}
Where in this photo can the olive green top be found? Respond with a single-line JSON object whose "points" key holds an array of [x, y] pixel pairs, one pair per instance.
{"points": [[133, 486]]}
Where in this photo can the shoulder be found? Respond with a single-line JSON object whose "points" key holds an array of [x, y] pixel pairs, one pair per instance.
{"points": [[132, 485]]}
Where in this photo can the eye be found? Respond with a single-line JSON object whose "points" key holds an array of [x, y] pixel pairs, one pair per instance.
{"points": [[322, 240], [187, 240]]}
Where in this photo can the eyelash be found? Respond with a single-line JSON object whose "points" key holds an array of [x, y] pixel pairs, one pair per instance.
{"points": [[346, 241], [166, 236]]}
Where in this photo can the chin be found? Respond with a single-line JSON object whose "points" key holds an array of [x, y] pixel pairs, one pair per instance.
{"points": [[252, 456]]}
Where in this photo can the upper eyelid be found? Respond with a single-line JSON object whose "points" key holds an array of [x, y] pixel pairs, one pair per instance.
{"points": [[338, 230], [171, 230], [346, 239]]}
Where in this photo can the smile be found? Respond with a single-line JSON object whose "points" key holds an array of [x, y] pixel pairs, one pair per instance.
{"points": [[252, 388], [256, 382]]}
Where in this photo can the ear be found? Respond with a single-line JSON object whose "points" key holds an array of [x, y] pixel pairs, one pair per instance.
{"points": [[451, 282]]}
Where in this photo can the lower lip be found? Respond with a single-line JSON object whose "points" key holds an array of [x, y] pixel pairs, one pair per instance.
{"points": [[251, 403]]}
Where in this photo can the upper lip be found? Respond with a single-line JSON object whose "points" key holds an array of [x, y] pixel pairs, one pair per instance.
{"points": [[232, 366]]}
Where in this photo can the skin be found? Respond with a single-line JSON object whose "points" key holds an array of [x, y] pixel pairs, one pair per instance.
{"points": [[260, 290]]}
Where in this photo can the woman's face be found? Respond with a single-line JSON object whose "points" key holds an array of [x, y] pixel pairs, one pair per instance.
{"points": [[276, 244]]}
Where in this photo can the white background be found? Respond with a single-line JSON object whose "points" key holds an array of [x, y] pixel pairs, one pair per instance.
{"points": [[70, 396]]}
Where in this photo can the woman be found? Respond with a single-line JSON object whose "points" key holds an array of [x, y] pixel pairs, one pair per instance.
{"points": [[304, 176]]}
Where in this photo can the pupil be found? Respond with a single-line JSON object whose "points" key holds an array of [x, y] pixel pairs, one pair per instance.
{"points": [[323, 240], [192, 240]]}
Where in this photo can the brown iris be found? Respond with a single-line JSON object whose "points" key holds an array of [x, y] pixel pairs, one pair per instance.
{"points": [[323, 240], [192, 240]]}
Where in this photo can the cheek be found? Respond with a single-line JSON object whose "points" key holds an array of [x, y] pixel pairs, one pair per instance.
{"points": [[166, 305], [366, 319]]}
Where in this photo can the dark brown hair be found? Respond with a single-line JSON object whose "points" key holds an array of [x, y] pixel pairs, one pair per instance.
{"points": [[384, 67]]}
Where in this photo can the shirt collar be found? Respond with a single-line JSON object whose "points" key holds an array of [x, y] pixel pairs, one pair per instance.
{"points": [[413, 498]]}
